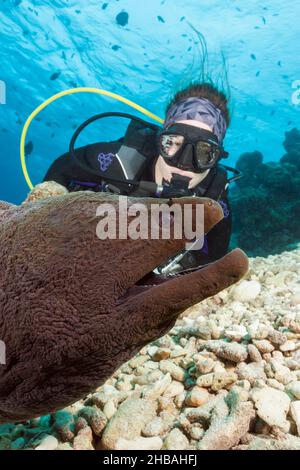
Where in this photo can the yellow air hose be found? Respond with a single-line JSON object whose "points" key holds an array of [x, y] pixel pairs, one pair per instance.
{"points": [[71, 91]]}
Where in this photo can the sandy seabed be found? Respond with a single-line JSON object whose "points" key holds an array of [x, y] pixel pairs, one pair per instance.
{"points": [[227, 376]]}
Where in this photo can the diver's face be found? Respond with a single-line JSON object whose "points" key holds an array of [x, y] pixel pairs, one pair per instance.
{"points": [[165, 171]]}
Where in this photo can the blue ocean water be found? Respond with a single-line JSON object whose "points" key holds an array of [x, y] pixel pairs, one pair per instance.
{"points": [[142, 51]]}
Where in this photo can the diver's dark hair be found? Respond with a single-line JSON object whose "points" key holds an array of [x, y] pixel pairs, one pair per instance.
{"points": [[211, 81]]}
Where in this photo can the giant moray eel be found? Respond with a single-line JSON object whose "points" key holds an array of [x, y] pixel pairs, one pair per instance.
{"points": [[73, 307]]}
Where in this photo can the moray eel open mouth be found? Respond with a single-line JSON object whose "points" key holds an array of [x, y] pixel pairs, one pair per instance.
{"points": [[153, 279], [73, 308]]}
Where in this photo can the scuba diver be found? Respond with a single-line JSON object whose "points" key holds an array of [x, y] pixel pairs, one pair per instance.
{"points": [[182, 158]]}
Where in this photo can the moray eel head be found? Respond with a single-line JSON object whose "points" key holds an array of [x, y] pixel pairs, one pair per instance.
{"points": [[73, 307]]}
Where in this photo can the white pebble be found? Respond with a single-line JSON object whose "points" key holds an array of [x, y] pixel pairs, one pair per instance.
{"points": [[48, 443], [246, 291]]}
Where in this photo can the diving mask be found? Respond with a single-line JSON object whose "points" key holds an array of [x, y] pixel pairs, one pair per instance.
{"points": [[190, 148]]}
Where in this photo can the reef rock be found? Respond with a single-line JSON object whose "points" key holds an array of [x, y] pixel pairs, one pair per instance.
{"points": [[230, 420], [128, 422], [272, 406]]}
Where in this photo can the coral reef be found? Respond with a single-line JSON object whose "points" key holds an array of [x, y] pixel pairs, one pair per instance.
{"points": [[266, 201], [45, 190], [226, 376]]}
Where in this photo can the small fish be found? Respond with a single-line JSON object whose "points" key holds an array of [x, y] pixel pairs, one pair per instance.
{"points": [[104, 6], [73, 84], [279, 63], [28, 148], [289, 123], [264, 19], [160, 18], [55, 75], [116, 47], [122, 18], [63, 55], [78, 12], [182, 18], [257, 73], [253, 56]]}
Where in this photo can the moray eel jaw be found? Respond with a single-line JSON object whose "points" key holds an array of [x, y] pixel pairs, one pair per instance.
{"points": [[73, 308], [157, 301]]}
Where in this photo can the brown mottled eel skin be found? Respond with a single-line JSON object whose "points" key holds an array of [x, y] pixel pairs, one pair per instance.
{"points": [[73, 307]]}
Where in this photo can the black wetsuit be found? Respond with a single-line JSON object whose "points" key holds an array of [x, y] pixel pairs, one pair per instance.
{"points": [[75, 177]]}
